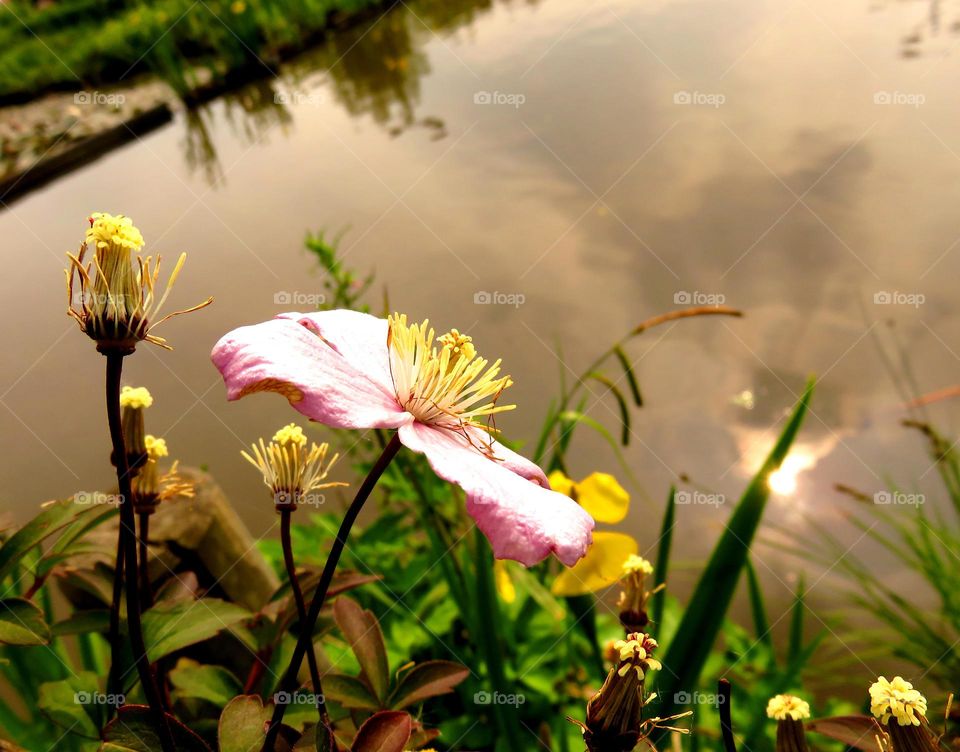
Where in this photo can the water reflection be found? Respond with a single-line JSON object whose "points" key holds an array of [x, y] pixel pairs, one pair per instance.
{"points": [[373, 68]]}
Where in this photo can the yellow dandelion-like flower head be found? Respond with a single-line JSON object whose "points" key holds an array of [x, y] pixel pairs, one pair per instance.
{"points": [[636, 652], [135, 397], [783, 707], [899, 699]]}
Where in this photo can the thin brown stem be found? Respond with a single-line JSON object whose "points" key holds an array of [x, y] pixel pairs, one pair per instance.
{"points": [[116, 646], [288, 683], [128, 544], [287, 544]]}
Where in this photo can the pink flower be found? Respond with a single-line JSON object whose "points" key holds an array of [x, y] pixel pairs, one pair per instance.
{"points": [[352, 370]]}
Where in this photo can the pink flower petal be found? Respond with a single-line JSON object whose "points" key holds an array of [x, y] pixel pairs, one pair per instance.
{"points": [[359, 337], [523, 520], [284, 356]]}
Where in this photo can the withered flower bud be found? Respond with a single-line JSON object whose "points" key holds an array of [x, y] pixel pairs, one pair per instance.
{"points": [[113, 298], [133, 401], [634, 596], [789, 712], [901, 710], [614, 715]]}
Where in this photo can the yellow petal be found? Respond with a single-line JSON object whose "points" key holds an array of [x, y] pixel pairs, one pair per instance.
{"points": [[505, 587], [561, 483], [603, 498], [600, 568]]}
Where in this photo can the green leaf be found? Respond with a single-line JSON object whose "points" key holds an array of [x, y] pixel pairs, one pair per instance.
{"points": [[204, 682], [662, 567], [427, 679], [387, 731], [242, 725], [350, 692], [83, 622], [761, 623], [701, 622], [22, 623], [55, 515], [133, 731], [74, 703], [362, 631], [621, 404], [631, 377], [170, 626], [796, 625]]}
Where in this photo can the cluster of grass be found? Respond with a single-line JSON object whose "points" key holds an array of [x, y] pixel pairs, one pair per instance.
{"points": [[75, 44]]}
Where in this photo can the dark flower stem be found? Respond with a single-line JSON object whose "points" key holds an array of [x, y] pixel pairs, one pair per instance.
{"points": [[289, 682], [726, 726], [116, 646], [128, 544], [145, 589], [285, 517]]}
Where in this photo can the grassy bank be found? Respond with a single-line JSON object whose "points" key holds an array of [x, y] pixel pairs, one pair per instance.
{"points": [[79, 44]]}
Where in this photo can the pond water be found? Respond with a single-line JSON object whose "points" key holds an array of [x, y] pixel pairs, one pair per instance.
{"points": [[584, 165]]}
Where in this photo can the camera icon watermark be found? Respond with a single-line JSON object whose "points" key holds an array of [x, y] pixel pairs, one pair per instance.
{"points": [[899, 98], [913, 299], [509, 99], [515, 299], [298, 698], [289, 98], [699, 98], [696, 297], [898, 498], [698, 698], [698, 498], [295, 297], [498, 698], [99, 99], [97, 498], [99, 698]]}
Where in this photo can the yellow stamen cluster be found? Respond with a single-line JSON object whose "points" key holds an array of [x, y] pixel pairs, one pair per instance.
{"points": [[783, 707], [118, 299], [899, 699], [290, 469], [107, 230], [135, 397], [156, 448], [441, 380], [637, 565], [636, 652]]}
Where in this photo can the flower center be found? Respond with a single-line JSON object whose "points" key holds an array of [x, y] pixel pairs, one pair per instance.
{"points": [[441, 380]]}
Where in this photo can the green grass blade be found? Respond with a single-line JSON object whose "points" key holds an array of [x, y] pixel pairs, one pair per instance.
{"points": [[663, 558], [690, 647]]}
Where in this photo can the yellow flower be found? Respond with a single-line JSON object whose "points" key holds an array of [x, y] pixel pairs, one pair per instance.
{"points": [[603, 498], [106, 230], [135, 397], [505, 587], [782, 707], [899, 699]]}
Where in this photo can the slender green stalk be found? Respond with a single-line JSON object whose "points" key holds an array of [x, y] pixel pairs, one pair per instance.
{"points": [[128, 544], [287, 545], [288, 683], [488, 611], [116, 645]]}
